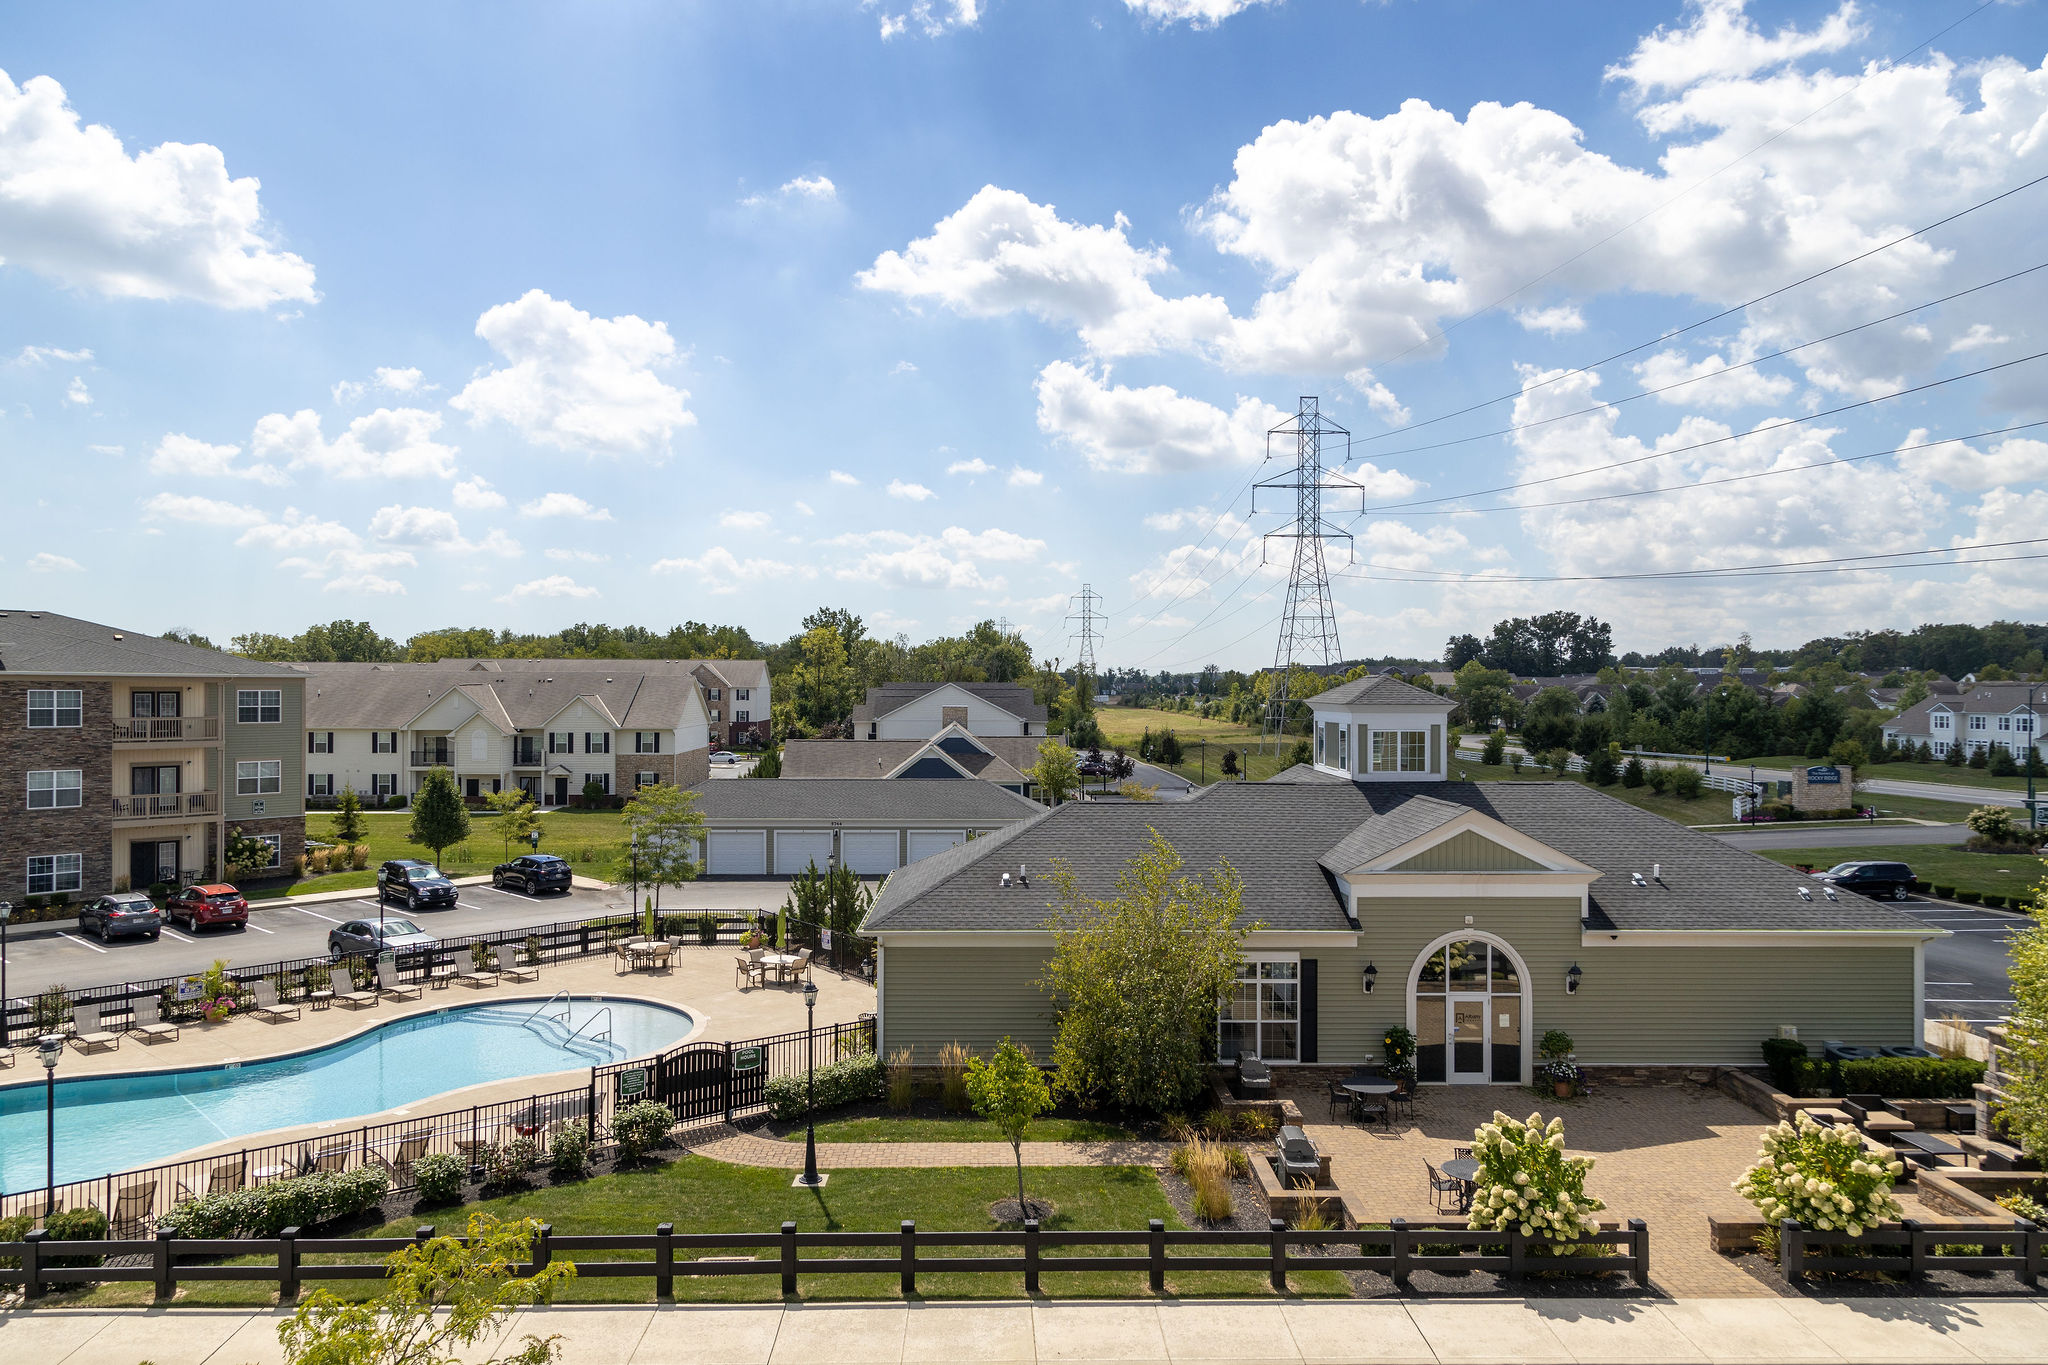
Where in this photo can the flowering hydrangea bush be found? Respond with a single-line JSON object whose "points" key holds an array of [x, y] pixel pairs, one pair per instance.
{"points": [[1823, 1178], [1526, 1181]]}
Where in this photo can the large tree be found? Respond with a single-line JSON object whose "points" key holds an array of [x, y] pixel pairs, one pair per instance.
{"points": [[1057, 772], [2025, 1063], [821, 685], [668, 827], [1137, 979]]}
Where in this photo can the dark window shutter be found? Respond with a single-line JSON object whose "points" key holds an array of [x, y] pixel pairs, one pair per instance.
{"points": [[309, 741], [330, 741], [1308, 1010]]}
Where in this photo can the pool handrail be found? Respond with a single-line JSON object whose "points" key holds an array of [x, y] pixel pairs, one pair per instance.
{"points": [[563, 996], [604, 1013]]}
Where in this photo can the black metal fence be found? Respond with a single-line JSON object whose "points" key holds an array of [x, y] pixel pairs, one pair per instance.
{"points": [[1397, 1251], [1912, 1249]]}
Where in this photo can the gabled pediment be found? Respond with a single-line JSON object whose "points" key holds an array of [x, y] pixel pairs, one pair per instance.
{"points": [[1427, 837]]}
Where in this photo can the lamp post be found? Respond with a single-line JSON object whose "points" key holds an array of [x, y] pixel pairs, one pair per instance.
{"points": [[48, 1049], [810, 1179], [2033, 754], [7, 913]]}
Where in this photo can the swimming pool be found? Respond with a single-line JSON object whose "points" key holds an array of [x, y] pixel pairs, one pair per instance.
{"points": [[116, 1123]]}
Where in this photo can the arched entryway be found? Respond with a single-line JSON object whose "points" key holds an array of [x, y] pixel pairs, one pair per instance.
{"points": [[1468, 1003]]}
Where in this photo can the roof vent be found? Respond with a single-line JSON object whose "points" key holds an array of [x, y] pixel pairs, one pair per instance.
{"points": [[1636, 879], [1657, 873], [1829, 892], [1804, 894], [118, 635], [1006, 879], [1023, 877]]}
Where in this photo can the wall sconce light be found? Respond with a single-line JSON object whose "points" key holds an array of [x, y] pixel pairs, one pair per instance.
{"points": [[1372, 974], [1571, 980]]}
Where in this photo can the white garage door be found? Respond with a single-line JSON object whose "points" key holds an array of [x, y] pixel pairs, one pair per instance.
{"points": [[739, 853], [925, 842], [796, 849], [870, 852]]}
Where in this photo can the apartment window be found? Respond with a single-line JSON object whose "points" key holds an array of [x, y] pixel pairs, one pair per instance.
{"points": [[320, 741], [2023, 724], [2005, 722], [743, 694], [259, 706], [1940, 748], [1400, 751], [742, 714], [56, 872], [561, 741], [320, 784], [275, 842], [603, 780], [383, 741], [55, 789], [597, 742], [55, 708], [647, 741], [260, 777], [149, 705], [646, 779], [383, 784], [716, 694], [1262, 1015], [1977, 722], [717, 714]]}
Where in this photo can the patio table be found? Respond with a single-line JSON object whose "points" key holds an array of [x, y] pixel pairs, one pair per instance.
{"points": [[320, 1000], [1924, 1146], [1371, 1087], [775, 962], [1464, 1168]]}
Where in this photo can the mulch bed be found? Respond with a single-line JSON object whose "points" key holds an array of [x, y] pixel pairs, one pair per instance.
{"points": [[1935, 1284]]}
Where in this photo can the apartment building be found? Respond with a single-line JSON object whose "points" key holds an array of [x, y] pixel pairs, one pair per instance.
{"points": [[550, 727], [918, 711], [734, 692], [133, 755], [1990, 715]]}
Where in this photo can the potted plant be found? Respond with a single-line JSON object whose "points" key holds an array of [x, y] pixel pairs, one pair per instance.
{"points": [[1560, 1068], [1399, 1046]]}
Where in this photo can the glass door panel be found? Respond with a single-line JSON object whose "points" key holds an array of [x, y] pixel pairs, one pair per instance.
{"points": [[1468, 1038], [1506, 1062], [1430, 1023]]}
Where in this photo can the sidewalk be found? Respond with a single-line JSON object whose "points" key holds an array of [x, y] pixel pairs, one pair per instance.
{"points": [[1288, 1333]]}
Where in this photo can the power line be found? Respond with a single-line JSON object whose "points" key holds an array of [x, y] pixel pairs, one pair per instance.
{"points": [[1837, 564]]}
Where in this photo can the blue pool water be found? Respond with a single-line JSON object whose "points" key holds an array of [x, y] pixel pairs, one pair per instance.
{"points": [[117, 1123]]}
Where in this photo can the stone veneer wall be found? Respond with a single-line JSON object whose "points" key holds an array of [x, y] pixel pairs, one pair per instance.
{"points": [[87, 830], [692, 767], [292, 827]]}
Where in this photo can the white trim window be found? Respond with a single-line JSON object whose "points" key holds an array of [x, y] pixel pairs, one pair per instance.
{"points": [[55, 708], [1978, 722], [1938, 721], [320, 741], [603, 780], [54, 872], [717, 714], [320, 784], [1400, 751], [56, 788], [647, 779], [597, 741], [743, 694], [2005, 722], [647, 741], [259, 706], [259, 777], [1262, 1017], [561, 741], [276, 845], [383, 784], [383, 741], [742, 716]]}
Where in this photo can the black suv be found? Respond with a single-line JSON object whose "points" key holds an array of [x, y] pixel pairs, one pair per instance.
{"points": [[413, 884], [533, 873], [1883, 881]]}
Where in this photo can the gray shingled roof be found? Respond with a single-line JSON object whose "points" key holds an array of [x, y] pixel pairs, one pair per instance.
{"points": [[44, 642], [735, 672], [1985, 699], [809, 759], [388, 696], [1016, 698], [1379, 690], [1388, 831], [858, 798], [1275, 833]]}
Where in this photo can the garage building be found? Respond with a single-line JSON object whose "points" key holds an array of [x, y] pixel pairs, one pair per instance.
{"points": [[776, 828]]}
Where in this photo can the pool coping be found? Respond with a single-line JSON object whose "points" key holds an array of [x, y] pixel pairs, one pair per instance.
{"points": [[700, 1021]]}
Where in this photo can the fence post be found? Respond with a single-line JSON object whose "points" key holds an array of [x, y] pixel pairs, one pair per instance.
{"points": [[1791, 1250], [665, 1261], [288, 1265], [1639, 1247], [788, 1260], [543, 1247], [907, 1238], [1031, 1255], [1157, 1248], [423, 1234], [32, 1264], [1399, 1227], [1916, 1248], [2033, 1246], [1277, 1231], [166, 1278], [728, 1079], [1518, 1253], [593, 1104]]}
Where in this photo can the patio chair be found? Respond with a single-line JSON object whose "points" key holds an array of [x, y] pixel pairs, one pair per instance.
{"points": [[1367, 1107], [399, 1163], [658, 961], [1340, 1098], [229, 1175], [87, 1032], [268, 1007], [1450, 1195], [797, 970], [509, 968], [330, 1160], [134, 1206], [1461, 1153], [1296, 1156], [750, 968], [353, 998], [149, 1020], [389, 985]]}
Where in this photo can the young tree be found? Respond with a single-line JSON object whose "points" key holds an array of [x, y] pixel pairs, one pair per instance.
{"points": [[348, 817], [1009, 1091], [516, 816], [1057, 772], [669, 827], [1495, 751], [1137, 979], [1230, 763], [439, 818], [442, 1295]]}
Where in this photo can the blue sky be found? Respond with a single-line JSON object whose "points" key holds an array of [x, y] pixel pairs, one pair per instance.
{"points": [[524, 315]]}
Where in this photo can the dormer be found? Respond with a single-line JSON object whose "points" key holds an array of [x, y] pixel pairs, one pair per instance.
{"points": [[1380, 729]]}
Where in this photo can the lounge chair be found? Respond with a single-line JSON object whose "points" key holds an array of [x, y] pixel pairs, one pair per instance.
{"points": [[229, 1175], [388, 983], [353, 998], [268, 1007], [331, 1159], [509, 968], [6, 1056], [87, 1032], [134, 1205], [1296, 1156], [475, 976], [149, 1020], [399, 1163]]}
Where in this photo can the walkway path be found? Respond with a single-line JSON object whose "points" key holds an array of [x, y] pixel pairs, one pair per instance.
{"points": [[742, 1148], [1290, 1331]]}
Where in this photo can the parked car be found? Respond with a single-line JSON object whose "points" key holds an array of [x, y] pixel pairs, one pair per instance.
{"points": [[725, 756], [398, 867], [121, 915], [370, 936], [533, 873], [416, 887], [1882, 881], [202, 907], [1092, 767]]}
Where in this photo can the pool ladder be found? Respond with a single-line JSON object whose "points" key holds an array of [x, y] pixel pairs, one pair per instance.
{"points": [[568, 1037]]}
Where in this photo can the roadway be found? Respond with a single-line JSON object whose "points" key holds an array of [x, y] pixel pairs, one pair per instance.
{"points": [[1844, 834]]}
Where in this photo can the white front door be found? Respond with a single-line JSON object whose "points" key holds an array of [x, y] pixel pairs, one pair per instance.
{"points": [[1468, 1040]]}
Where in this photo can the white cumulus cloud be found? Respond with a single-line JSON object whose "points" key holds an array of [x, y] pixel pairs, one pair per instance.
{"points": [[564, 505], [476, 494], [554, 585], [45, 562], [77, 394], [976, 466], [840, 476], [1148, 430], [931, 18], [390, 443], [202, 511], [1722, 42], [915, 492], [744, 521], [1020, 477], [1193, 13], [180, 455], [719, 572]]}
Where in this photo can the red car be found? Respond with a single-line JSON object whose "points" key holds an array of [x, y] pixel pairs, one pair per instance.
{"points": [[198, 907]]}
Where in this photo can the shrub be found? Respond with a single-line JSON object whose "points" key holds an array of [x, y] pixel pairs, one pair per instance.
{"points": [[1217, 1125], [1175, 1127], [1944, 893], [1992, 899], [506, 1163], [707, 929], [316, 861], [2016, 1203], [52, 1010], [1686, 783], [359, 857], [1254, 1123], [640, 1128], [1397, 1045], [853, 1081], [1494, 752], [1821, 1178], [569, 1151], [1784, 1058], [1916, 1078], [902, 1081], [1525, 1180], [318, 978], [953, 1077], [1969, 897], [13, 1229], [266, 1210], [85, 1224], [1659, 778], [1206, 1168], [439, 1177]]}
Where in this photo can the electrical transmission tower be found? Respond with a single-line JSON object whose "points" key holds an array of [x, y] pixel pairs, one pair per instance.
{"points": [[1087, 604], [1308, 622]]}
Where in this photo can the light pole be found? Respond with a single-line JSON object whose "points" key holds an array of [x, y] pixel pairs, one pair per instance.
{"points": [[7, 913], [2033, 755], [810, 1179], [48, 1049]]}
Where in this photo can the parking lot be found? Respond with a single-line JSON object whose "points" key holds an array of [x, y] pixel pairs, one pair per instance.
{"points": [[1966, 972], [38, 957]]}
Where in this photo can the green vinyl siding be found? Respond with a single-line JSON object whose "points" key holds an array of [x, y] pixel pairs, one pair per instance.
{"points": [[1470, 851], [976, 996], [284, 741]]}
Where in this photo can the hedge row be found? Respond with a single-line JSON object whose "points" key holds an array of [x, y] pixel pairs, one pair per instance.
{"points": [[267, 1210], [853, 1081], [1895, 1078]]}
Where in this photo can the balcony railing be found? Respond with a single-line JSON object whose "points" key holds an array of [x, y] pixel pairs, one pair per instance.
{"points": [[528, 758], [166, 729], [433, 758], [168, 806]]}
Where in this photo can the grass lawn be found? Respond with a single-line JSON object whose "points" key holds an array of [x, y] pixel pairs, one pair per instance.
{"points": [[1126, 724], [2004, 874], [962, 1130], [1714, 807], [701, 1195], [592, 840]]}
